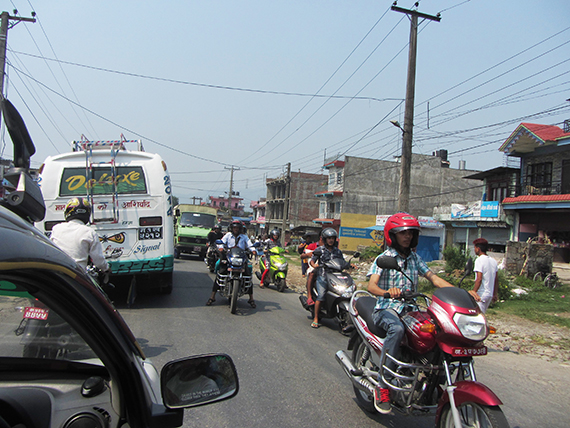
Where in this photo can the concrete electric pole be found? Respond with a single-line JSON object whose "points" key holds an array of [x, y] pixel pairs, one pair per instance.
{"points": [[231, 188], [286, 204], [404, 191], [5, 19]]}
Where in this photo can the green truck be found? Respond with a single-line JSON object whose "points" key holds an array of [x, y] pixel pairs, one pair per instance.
{"points": [[192, 225]]}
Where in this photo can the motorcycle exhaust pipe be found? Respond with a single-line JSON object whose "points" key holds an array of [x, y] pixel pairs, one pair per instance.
{"points": [[357, 380]]}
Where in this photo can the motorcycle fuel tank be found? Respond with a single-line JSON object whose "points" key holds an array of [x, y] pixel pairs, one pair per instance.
{"points": [[420, 341]]}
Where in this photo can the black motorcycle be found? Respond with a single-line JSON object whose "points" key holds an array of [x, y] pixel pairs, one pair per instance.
{"points": [[234, 275], [340, 287]]}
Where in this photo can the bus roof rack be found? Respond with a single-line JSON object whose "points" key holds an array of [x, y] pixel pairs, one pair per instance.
{"points": [[84, 144]]}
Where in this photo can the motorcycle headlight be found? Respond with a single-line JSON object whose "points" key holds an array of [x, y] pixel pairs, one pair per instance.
{"points": [[349, 291], [236, 261], [471, 327], [282, 266]]}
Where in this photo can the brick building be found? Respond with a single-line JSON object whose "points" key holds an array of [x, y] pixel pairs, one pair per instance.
{"points": [[303, 207]]}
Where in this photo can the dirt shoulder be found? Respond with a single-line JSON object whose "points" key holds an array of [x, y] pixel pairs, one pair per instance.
{"points": [[514, 334]]}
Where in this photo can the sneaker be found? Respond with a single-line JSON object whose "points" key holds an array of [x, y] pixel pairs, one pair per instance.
{"points": [[382, 400]]}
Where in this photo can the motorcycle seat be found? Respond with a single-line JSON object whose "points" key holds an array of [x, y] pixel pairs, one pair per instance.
{"points": [[365, 307]]}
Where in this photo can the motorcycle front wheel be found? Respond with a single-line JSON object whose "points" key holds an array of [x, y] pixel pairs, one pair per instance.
{"points": [[234, 296], [475, 415], [366, 401], [281, 284]]}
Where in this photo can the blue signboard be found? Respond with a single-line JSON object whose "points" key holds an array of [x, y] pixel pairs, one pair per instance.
{"points": [[354, 232], [490, 209]]}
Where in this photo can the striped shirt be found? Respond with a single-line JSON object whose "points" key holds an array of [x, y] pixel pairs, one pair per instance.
{"points": [[413, 266]]}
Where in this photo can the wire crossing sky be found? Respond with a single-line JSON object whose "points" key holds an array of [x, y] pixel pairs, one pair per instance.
{"points": [[257, 84]]}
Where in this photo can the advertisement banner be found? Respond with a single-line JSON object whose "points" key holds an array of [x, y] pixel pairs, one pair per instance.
{"points": [[463, 211]]}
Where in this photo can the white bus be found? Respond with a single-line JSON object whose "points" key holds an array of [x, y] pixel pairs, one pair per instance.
{"points": [[131, 196]]}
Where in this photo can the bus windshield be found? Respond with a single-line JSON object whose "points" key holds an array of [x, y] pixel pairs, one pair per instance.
{"points": [[129, 179], [198, 220]]}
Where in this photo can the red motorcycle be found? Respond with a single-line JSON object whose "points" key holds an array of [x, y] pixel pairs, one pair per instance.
{"points": [[435, 372]]}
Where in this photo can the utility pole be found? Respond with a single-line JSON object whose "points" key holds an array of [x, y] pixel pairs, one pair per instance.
{"points": [[286, 203], [404, 195], [231, 188], [5, 19], [194, 200]]}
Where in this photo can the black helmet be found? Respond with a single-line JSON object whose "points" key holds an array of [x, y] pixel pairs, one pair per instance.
{"points": [[275, 234], [217, 226], [236, 223], [329, 232], [78, 208]]}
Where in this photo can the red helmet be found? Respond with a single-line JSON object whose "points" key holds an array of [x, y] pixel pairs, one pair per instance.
{"points": [[398, 222]]}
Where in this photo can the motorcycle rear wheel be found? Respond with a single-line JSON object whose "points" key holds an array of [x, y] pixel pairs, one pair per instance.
{"points": [[234, 296], [364, 400], [475, 415], [280, 284]]}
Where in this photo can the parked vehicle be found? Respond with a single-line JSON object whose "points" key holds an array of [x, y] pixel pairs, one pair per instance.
{"points": [[131, 196], [340, 287], [90, 370], [234, 275], [193, 223], [435, 372], [278, 266]]}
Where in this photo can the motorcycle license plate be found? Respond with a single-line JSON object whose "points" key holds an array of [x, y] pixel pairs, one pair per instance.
{"points": [[469, 352], [36, 313]]}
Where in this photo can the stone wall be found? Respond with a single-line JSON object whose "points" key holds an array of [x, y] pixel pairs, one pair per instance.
{"points": [[540, 256]]}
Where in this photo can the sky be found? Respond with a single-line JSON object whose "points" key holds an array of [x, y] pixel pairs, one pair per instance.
{"points": [[254, 85]]}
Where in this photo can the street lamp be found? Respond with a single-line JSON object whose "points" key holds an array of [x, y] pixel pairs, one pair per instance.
{"points": [[397, 125]]}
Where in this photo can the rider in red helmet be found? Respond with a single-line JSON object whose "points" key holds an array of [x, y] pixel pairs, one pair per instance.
{"points": [[401, 234]]}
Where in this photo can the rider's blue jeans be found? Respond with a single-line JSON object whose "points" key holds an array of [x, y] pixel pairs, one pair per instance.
{"points": [[389, 320]]}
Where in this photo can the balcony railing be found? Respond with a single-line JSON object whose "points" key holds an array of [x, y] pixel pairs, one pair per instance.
{"points": [[539, 189], [332, 216]]}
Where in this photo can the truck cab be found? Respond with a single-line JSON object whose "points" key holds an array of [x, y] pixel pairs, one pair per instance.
{"points": [[192, 225]]}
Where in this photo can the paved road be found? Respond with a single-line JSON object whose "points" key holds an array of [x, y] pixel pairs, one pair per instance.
{"points": [[288, 374]]}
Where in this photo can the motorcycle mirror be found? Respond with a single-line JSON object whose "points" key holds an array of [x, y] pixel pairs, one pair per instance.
{"points": [[387, 263], [356, 255], [469, 266]]}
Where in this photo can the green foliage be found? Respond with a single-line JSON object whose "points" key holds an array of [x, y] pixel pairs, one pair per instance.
{"points": [[504, 285], [455, 258], [370, 253]]}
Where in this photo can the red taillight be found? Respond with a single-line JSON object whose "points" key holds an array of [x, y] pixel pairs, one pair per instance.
{"points": [[150, 221]]}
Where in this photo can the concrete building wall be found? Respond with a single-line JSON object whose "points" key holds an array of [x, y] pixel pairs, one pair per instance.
{"points": [[303, 205], [372, 186]]}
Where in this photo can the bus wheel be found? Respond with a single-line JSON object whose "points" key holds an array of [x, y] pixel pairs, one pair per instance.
{"points": [[165, 283]]}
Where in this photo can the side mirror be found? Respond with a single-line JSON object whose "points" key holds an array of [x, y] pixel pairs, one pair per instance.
{"points": [[356, 255], [195, 381], [23, 145], [469, 266], [387, 263]]}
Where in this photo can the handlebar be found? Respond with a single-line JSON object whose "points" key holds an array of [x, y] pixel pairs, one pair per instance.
{"points": [[405, 295]]}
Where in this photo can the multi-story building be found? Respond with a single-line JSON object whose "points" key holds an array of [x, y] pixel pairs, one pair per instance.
{"points": [[302, 205], [540, 205]]}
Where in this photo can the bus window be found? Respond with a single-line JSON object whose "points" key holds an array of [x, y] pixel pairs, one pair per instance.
{"points": [[130, 180]]}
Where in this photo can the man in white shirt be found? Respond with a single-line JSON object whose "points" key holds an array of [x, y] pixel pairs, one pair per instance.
{"points": [[76, 238], [486, 278], [235, 238]]}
